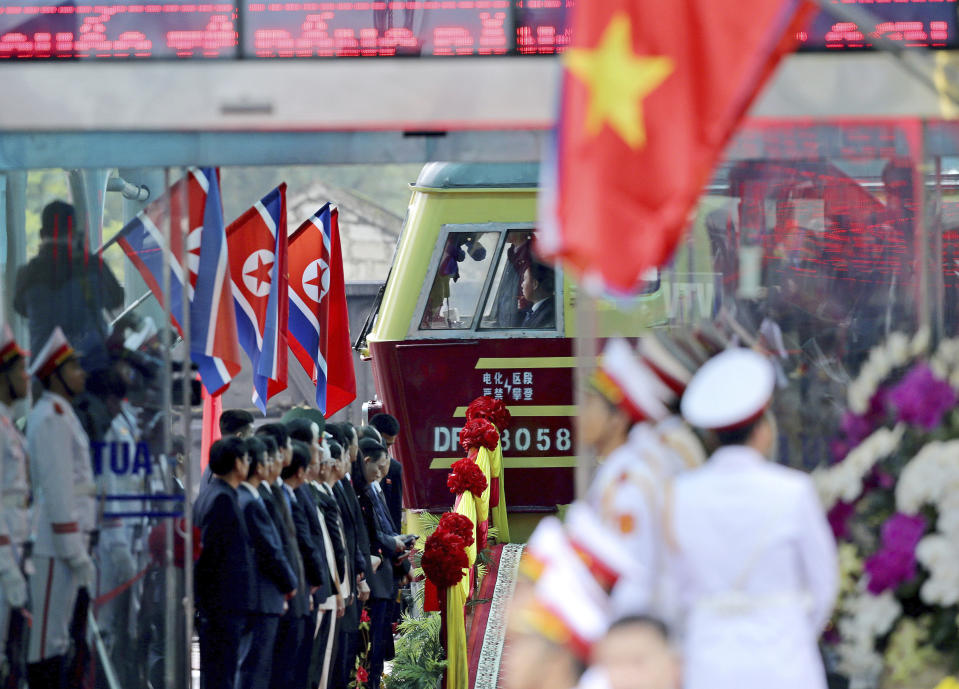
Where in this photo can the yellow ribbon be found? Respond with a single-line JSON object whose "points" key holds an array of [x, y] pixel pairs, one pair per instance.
{"points": [[499, 517], [484, 462], [457, 666], [466, 505]]}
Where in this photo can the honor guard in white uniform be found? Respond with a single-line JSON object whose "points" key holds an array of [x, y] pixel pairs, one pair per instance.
{"points": [[14, 485], [754, 563], [62, 480], [562, 608], [629, 400], [624, 402]]}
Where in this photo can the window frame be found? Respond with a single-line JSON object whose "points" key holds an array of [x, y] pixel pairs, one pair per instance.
{"points": [[475, 331]]}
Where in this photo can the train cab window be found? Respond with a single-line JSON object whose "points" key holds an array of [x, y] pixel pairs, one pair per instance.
{"points": [[523, 291], [464, 265]]}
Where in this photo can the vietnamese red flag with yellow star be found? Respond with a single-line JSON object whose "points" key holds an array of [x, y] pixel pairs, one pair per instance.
{"points": [[651, 92]]}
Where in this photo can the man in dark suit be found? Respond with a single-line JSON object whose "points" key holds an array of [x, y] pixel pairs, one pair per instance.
{"points": [[392, 485], [392, 491], [357, 543], [309, 536], [238, 422], [294, 622], [539, 290], [274, 579], [325, 647], [386, 543], [224, 571]]}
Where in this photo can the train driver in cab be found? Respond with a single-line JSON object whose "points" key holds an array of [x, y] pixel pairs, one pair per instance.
{"points": [[538, 291]]}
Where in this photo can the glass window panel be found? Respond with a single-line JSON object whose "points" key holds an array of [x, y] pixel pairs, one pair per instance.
{"points": [[464, 263], [808, 238], [520, 284], [130, 407]]}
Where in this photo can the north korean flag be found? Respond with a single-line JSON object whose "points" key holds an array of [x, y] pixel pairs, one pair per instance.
{"points": [[143, 240], [319, 321], [194, 199], [213, 346], [258, 265]]}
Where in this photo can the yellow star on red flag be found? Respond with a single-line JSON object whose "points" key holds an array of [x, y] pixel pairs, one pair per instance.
{"points": [[618, 80]]}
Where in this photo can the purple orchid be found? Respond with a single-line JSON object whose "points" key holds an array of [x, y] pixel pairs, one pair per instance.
{"points": [[895, 561], [922, 399], [838, 517], [854, 428]]}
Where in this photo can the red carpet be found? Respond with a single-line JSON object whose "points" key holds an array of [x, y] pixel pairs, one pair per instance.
{"points": [[479, 614]]}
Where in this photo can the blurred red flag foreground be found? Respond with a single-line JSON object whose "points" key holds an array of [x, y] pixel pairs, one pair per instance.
{"points": [[651, 92]]}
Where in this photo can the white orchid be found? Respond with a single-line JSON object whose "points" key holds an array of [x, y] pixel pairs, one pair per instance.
{"points": [[929, 478], [843, 481], [939, 554], [896, 351]]}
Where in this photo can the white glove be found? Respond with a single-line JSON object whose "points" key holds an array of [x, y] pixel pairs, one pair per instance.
{"points": [[82, 567], [14, 587]]}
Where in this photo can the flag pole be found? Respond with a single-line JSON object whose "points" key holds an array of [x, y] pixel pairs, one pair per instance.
{"points": [[585, 351]]}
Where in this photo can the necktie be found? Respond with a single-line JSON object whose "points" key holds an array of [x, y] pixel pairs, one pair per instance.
{"points": [[379, 509]]}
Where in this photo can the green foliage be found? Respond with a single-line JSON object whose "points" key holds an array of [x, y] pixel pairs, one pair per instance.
{"points": [[428, 523], [419, 661]]}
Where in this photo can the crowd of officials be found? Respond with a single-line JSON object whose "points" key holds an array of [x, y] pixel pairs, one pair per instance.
{"points": [[300, 527]]}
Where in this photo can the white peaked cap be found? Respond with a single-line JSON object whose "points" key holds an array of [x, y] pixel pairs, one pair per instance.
{"points": [[9, 349], [667, 363], [640, 389], [53, 354], [730, 390], [545, 544], [578, 606], [601, 549]]}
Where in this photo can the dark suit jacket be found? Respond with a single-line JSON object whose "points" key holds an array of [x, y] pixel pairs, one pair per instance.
{"points": [[331, 515], [354, 557], [309, 536], [542, 318], [283, 519], [393, 490], [224, 571], [375, 580], [382, 546], [274, 577]]}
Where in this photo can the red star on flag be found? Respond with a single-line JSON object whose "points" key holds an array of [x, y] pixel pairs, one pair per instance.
{"points": [[261, 273]]}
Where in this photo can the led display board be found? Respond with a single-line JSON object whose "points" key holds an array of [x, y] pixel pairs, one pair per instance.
{"points": [[136, 29]]}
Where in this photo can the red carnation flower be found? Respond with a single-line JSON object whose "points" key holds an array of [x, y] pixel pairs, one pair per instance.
{"points": [[493, 410], [365, 615], [480, 408], [460, 525], [362, 676], [501, 417], [464, 476], [479, 433], [444, 559]]}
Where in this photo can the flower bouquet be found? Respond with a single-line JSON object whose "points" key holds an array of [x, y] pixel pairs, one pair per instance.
{"points": [[892, 495]]}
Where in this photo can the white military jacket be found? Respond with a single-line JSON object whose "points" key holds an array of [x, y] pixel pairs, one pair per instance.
{"points": [[14, 485], [62, 478], [756, 573], [627, 494]]}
